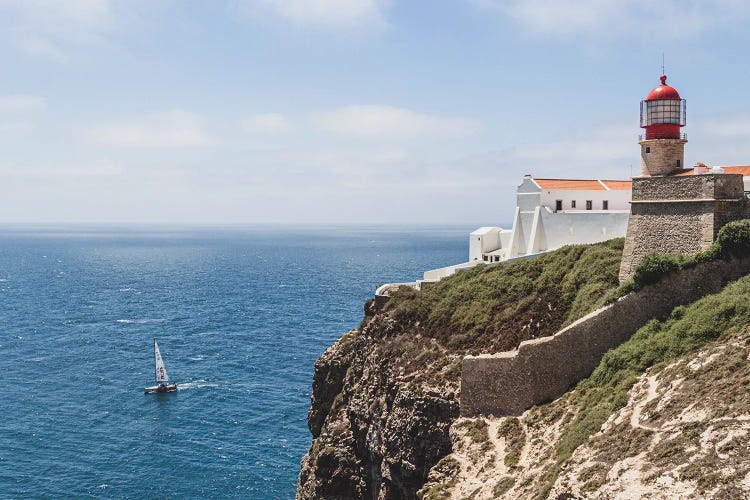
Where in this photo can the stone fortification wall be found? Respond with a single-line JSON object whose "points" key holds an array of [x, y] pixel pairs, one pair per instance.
{"points": [[688, 187], [679, 215], [543, 369]]}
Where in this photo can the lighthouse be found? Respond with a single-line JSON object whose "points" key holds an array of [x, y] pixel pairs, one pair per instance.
{"points": [[674, 210], [663, 144]]}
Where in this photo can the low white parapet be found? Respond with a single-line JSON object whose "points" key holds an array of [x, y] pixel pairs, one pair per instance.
{"points": [[443, 272], [437, 274], [384, 290]]}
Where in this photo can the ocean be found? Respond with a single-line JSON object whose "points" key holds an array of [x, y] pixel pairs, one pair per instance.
{"points": [[240, 314]]}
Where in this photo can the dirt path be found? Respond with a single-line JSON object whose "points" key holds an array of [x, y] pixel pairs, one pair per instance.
{"points": [[651, 394]]}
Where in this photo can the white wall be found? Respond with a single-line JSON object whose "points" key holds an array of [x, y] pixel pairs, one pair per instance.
{"points": [[537, 228], [619, 199], [484, 239], [528, 195], [575, 228]]}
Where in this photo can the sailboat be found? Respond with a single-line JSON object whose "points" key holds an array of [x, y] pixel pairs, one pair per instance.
{"points": [[162, 379]]}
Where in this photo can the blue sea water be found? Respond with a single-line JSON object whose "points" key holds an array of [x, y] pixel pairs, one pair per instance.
{"points": [[241, 314]]}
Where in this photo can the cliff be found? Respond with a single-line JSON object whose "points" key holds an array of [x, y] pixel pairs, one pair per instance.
{"points": [[386, 395], [663, 415]]}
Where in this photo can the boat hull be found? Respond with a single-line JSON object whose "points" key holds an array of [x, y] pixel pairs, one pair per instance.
{"points": [[160, 389]]}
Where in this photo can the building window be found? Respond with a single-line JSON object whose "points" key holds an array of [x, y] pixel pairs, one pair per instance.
{"points": [[484, 258], [588, 204], [605, 205], [558, 205], [573, 204], [648, 149], [678, 163]]}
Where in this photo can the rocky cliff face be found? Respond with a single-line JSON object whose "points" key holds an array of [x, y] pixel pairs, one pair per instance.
{"points": [[386, 395], [381, 409]]}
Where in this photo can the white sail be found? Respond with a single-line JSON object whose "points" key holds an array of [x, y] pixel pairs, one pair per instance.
{"points": [[161, 372]]}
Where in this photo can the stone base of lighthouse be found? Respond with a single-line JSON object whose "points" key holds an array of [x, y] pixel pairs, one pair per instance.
{"points": [[679, 215], [662, 156]]}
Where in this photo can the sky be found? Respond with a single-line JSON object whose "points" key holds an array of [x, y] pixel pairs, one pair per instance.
{"points": [[346, 111]]}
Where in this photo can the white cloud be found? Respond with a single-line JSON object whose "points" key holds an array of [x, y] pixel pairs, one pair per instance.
{"points": [[16, 126], [731, 126], [61, 171], [612, 151], [324, 13], [48, 27], [269, 123], [169, 128], [665, 18], [20, 103], [718, 140], [388, 121], [601, 144], [14, 112]]}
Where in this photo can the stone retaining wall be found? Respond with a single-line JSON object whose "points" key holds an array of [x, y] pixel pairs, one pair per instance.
{"points": [[681, 214], [544, 369]]}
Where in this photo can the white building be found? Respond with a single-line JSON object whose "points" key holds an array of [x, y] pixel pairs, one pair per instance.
{"points": [[551, 213]]}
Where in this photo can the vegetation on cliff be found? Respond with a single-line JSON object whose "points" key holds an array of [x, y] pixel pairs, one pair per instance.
{"points": [[656, 344], [386, 394], [660, 376], [495, 308]]}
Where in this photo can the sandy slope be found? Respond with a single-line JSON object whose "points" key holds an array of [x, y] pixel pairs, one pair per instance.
{"points": [[684, 433]]}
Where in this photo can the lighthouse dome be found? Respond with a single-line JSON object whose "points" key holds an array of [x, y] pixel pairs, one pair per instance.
{"points": [[663, 91]]}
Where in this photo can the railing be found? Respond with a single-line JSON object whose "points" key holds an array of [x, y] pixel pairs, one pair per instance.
{"points": [[683, 136]]}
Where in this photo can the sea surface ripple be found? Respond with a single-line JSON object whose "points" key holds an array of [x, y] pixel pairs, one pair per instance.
{"points": [[241, 314]]}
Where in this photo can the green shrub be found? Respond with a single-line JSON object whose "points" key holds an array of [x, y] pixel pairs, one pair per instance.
{"points": [[654, 266], [733, 240], [515, 439], [476, 429], [503, 486], [615, 293]]}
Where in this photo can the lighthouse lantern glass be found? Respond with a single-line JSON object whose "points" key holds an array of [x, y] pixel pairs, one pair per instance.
{"points": [[663, 112]]}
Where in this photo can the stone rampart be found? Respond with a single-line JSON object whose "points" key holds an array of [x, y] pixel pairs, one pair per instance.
{"points": [[688, 187], [679, 214], [544, 369]]}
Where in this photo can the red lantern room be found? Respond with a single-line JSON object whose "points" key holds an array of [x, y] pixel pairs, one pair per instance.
{"points": [[663, 112]]}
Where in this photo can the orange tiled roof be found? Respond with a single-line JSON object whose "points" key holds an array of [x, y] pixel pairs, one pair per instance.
{"points": [[624, 185], [577, 184], [738, 169], [687, 171], [731, 169]]}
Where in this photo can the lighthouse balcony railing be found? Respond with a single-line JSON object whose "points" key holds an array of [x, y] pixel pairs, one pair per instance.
{"points": [[682, 136]]}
